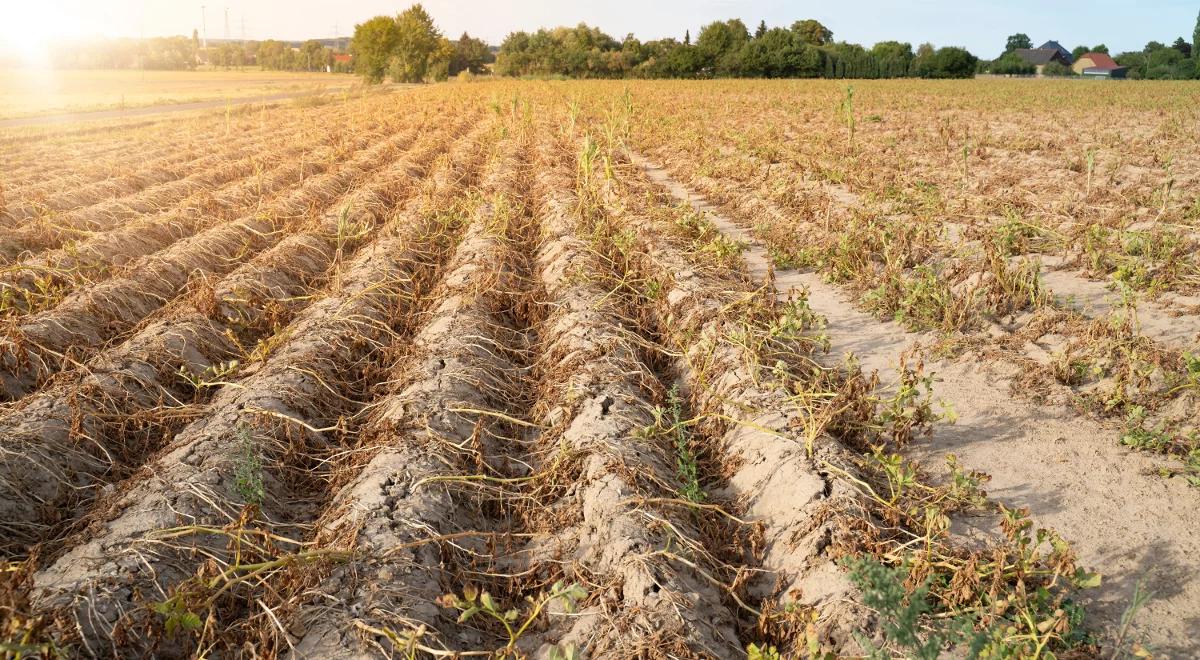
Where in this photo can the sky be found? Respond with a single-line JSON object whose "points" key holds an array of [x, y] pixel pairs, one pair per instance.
{"points": [[977, 25]]}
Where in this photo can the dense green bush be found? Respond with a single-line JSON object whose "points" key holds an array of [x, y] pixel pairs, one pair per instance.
{"points": [[1057, 70], [1011, 64], [722, 49]]}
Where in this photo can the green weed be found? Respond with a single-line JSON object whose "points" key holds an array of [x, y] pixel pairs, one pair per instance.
{"points": [[248, 471], [669, 422], [515, 621]]}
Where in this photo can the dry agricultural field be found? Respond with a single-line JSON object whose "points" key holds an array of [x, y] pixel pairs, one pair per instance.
{"points": [[607, 369], [33, 92]]}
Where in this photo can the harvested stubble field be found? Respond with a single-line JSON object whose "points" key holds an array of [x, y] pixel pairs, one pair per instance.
{"points": [[37, 91], [562, 370]]}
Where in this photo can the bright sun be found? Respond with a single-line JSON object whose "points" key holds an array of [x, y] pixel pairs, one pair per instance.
{"points": [[29, 29]]}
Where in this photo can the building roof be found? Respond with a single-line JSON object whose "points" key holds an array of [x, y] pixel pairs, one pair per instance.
{"points": [[1038, 56], [1054, 45], [1100, 61], [341, 57]]}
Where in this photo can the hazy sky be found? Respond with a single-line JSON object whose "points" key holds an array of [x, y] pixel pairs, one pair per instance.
{"points": [[978, 25]]}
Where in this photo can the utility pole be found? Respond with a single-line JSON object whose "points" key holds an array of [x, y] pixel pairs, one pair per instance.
{"points": [[204, 25], [227, 24]]}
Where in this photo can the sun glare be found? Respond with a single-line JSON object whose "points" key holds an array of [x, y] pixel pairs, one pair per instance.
{"points": [[30, 29]]}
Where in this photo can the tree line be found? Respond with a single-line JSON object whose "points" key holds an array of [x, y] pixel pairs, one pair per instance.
{"points": [[182, 53], [806, 49], [272, 55], [1157, 61], [409, 48]]}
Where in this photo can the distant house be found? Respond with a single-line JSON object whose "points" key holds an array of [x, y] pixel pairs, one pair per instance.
{"points": [[341, 62], [1054, 45], [1040, 57], [1098, 65]]}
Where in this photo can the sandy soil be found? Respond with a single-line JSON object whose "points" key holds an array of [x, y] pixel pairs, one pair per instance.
{"points": [[1068, 470]]}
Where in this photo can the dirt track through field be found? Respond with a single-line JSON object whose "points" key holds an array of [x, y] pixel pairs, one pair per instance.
{"points": [[1157, 320], [1123, 519]]}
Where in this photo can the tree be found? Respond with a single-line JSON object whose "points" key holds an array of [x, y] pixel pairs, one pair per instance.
{"points": [[778, 53], [1164, 64], [951, 62], [762, 30], [1183, 47], [165, 53], [1079, 52], [470, 54], [1011, 64], [1018, 40], [270, 54], [684, 61], [892, 49], [811, 32], [893, 59], [922, 63], [312, 55], [581, 51], [287, 59], [1057, 70], [417, 44], [372, 46], [438, 66], [719, 43], [1100, 49], [1153, 46], [1135, 62], [1196, 47], [228, 55]]}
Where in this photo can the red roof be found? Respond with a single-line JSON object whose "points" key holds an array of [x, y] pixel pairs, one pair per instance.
{"points": [[1100, 61], [341, 57]]}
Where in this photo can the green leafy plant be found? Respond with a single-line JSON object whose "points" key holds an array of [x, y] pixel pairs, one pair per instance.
{"points": [[1024, 624], [920, 299], [764, 652], [213, 376], [793, 322], [902, 612], [846, 108], [909, 412], [669, 422], [1135, 650], [176, 616], [1137, 436], [1191, 373], [514, 620], [1161, 440], [248, 471], [723, 250]]}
